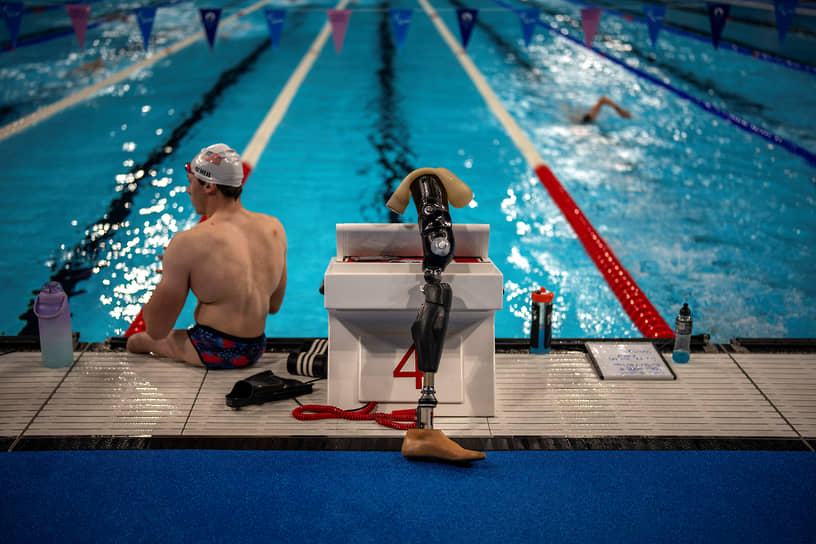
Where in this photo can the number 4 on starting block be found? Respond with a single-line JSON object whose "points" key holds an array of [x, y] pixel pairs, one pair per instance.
{"points": [[385, 363], [399, 373]]}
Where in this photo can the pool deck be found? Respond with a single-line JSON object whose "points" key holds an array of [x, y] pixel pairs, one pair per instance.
{"points": [[742, 395]]}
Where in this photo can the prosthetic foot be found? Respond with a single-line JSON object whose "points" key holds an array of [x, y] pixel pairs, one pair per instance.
{"points": [[433, 444]]}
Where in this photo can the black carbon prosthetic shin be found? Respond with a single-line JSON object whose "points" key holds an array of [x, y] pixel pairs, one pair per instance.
{"points": [[431, 325]]}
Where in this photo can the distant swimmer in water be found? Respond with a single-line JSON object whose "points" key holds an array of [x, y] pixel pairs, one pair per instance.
{"points": [[589, 117], [90, 67]]}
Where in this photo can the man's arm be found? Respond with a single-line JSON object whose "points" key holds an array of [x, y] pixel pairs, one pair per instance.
{"points": [[621, 111], [276, 299], [165, 305]]}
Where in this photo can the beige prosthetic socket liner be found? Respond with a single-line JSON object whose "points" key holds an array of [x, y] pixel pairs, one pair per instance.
{"points": [[459, 194]]}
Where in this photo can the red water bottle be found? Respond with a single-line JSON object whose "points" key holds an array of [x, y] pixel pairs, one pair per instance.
{"points": [[541, 325]]}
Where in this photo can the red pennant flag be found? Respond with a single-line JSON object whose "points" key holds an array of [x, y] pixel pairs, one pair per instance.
{"points": [[339, 19], [79, 14], [590, 17]]}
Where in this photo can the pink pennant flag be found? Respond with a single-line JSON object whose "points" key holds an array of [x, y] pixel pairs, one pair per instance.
{"points": [[590, 17], [339, 19], [79, 14]]}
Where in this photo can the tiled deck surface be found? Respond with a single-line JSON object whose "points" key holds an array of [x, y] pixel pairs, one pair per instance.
{"points": [[556, 396]]}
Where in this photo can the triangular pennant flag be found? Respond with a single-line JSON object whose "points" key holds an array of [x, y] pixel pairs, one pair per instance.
{"points": [[13, 14], [210, 18], [529, 18], [400, 21], [79, 14], [590, 17], [717, 15], [145, 17], [785, 9], [467, 20], [339, 19], [274, 20], [654, 20]]}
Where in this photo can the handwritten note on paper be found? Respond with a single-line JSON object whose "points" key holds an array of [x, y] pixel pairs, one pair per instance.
{"points": [[628, 361]]}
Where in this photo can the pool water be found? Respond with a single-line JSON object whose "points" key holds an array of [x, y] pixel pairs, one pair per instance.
{"points": [[696, 209]]}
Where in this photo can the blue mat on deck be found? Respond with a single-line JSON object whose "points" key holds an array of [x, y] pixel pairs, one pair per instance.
{"points": [[358, 497]]}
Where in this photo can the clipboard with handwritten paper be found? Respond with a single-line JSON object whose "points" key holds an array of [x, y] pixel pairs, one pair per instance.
{"points": [[628, 361]]}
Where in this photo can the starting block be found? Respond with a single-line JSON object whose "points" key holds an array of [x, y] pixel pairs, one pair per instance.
{"points": [[372, 294]]}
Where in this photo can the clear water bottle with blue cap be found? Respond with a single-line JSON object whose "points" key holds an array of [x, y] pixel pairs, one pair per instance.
{"points": [[56, 343], [682, 335]]}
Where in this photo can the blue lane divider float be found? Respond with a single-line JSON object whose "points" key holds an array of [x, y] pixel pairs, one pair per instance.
{"points": [[767, 57], [731, 118]]}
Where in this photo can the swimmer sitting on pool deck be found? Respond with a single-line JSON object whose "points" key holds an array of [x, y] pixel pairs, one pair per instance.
{"points": [[235, 264]]}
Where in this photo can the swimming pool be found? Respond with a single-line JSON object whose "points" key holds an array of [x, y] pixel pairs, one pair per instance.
{"points": [[696, 209]]}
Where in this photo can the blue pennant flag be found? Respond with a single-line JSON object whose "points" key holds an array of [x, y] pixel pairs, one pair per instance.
{"points": [[529, 18], [785, 9], [467, 20], [145, 17], [400, 21], [274, 19], [13, 14], [654, 20], [209, 18], [717, 14]]}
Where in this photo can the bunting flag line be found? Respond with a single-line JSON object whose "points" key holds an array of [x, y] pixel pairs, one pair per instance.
{"points": [[529, 18], [12, 13], [784, 9], [467, 20], [145, 17], [274, 20], [654, 20], [79, 14], [590, 17], [400, 21], [210, 18], [717, 15], [339, 19]]}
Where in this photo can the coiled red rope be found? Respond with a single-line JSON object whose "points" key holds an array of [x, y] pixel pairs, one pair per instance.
{"points": [[640, 310], [311, 412]]}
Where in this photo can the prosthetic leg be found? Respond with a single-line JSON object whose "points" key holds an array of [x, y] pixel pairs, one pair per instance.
{"points": [[428, 331]]}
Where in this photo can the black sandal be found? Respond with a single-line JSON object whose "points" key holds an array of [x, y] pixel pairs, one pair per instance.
{"points": [[265, 387]]}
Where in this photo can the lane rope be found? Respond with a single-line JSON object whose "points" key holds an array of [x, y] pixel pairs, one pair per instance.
{"points": [[707, 106], [634, 301], [724, 44]]}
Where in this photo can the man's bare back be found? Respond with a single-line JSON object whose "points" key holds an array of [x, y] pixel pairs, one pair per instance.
{"points": [[235, 265]]}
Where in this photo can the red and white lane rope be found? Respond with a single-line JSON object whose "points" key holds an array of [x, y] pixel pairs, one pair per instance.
{"points": [[634, 301]]}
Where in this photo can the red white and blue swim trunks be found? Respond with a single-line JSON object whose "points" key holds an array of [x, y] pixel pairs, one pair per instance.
{"points": [[220, 350]]}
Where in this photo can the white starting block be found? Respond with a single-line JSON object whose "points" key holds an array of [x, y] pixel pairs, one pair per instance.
{"points": [[372, 293]]}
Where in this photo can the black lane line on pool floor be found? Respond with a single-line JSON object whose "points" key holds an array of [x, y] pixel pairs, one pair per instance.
{"points": [[84, 255], [390, 137]]}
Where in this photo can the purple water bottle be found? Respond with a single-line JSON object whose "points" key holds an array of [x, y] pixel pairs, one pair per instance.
{"points": [[51, 308]]}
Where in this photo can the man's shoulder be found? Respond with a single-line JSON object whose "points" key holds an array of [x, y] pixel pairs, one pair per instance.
{"points": [[187, 240], [267, 221]]}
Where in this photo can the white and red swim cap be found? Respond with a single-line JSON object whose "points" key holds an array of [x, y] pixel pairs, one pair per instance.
{"points": [[219, 164]]}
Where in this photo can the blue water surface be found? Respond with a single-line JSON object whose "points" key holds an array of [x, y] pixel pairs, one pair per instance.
{"points": [[696, 209]]}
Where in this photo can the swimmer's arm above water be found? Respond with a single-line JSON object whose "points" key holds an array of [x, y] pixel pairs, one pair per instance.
{"points": [[165, 305]]}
